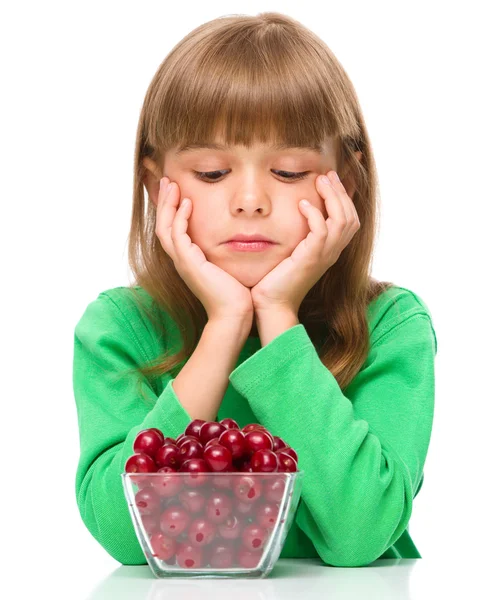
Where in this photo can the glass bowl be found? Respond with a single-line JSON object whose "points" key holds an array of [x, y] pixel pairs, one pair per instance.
{"points": [[212, 524]]}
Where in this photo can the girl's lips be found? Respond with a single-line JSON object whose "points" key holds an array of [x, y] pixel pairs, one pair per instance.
{"points": [[249, 246]]}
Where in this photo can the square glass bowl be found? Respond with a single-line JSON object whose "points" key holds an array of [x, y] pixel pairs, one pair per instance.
{"points": [[212, 524]]}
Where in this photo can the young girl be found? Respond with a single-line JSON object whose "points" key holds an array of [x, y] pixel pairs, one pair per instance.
{"points": [[243, 118]]}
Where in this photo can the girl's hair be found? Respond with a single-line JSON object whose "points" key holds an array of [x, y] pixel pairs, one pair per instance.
{"points": [[268, 79]]}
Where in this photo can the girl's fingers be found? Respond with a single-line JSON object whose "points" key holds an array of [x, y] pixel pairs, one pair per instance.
{"points": [[165, 216], [181, 239]]}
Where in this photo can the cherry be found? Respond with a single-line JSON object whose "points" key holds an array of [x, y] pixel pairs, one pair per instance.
{"points": [[193, 428], [264, 461], [201, 532], [247, 558], [231, 528], [229, 423], [252, 427], [193, 500], [169, 440], [150, 524], [174, 520], [290, 451], [209, 430], [183, 438], [266, 514], [140, 463], [147, 500], [188, 556], [254, 537], [234, 441], [164, 547], [218, 507], [169, 485], [220, 555], [244, 508], [197, 467], [278, 443], [286, 462], [190, 449], [148, 441], [223, 481], [168, 455], [218, 457], [212, 442], [273, 489], [247, 488], [257, 440], [158, 433]]}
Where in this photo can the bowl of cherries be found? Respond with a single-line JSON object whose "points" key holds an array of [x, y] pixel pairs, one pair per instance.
{"points": [[217, 501]]}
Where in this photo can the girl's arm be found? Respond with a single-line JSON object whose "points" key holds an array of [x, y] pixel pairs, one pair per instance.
{"points": [[362, 451]]}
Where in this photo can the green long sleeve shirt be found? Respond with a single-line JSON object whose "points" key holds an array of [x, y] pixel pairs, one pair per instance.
{"points": [[362, 450]]}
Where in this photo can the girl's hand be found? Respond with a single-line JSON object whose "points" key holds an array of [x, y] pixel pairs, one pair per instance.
{"points": [[288, 283], [223, 296]]}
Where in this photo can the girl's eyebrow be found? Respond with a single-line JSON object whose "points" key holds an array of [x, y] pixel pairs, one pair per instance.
{"points": [[213, 146]]}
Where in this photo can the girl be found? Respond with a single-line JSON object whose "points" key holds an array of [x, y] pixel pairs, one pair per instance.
{"points": [[243, 118]]}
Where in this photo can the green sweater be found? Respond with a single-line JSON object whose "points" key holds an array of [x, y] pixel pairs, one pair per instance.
{"points": [[363, 451]]}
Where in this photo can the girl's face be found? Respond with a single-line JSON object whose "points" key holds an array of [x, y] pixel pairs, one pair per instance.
{"points": [[254, 190]]}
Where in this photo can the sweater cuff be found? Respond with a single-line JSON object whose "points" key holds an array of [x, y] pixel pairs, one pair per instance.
{"points": [[261, 366]]}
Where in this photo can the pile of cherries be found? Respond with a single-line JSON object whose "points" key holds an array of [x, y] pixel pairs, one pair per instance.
{"points": [[205, 520]]}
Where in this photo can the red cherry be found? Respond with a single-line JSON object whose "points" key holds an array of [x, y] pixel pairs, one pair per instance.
{"points": [[209, 430], [188, 556], [266, 514], [244, 509], [254, 537], [150, 523], [190, 449], [247, 488], [193, 428], [252, 427], [234, 441], [193, 500], [257, 440], [184, 438], [247, 558], [167, 485], [218, 457], [174, 520], [290, 451], [218, 507], [278, 443], [232, 527], [220, 554], [140, 463], [147, 441], [164, 547], [212, 442], [229, 423], [168, 455], [197, 469], [147, 501], [286, 463], [273, 489], [169, 440], [158, 433], [264, 461], [201, 532]]}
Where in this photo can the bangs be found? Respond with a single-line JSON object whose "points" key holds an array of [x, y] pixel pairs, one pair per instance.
{"points": [[240, 91]]}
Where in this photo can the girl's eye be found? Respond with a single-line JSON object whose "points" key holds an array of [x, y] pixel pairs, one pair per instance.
{"points": [[215, 175]]}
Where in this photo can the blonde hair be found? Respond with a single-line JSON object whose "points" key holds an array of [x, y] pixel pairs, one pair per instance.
{"points": [[255, 79]]}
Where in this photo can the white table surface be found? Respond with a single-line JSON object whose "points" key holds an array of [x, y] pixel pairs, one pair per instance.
{"points": [[387, 579]]}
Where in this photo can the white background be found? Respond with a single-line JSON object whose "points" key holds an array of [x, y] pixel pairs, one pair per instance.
{"points": [[74, 78]]}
